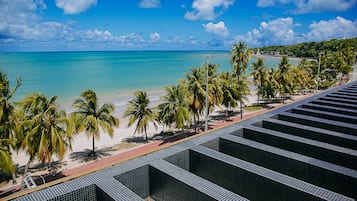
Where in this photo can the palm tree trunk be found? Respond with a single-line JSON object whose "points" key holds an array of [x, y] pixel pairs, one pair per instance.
{"points": [[93, 149], [241, 110], [240, 99], [183, 130], [146, 135], [13, 175], [283, 96], [49, 164], [195, 122], [261, 85], [25, 173]]}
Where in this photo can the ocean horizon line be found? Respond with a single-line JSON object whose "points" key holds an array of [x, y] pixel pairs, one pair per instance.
{"points": [[84, 51]]}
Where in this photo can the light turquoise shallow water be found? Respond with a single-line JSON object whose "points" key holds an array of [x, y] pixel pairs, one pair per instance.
{"points": [[113, 75]]}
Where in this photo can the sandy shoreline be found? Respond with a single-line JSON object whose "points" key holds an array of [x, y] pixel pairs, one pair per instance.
{"points": [[278, 57]]}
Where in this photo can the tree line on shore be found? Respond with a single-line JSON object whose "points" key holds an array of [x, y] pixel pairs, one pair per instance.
{"points": [[38, 125], [312, 49]]}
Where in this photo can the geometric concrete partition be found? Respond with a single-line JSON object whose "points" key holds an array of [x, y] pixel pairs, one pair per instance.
{"points": [[322, 135], [323, 151], [303, 151], [244, 178], [311, 170]]}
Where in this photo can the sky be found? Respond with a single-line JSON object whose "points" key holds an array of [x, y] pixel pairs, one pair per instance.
{"points": [[105, 25]]}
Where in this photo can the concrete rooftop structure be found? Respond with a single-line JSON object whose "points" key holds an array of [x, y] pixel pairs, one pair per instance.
{"points": [[303, 151]]}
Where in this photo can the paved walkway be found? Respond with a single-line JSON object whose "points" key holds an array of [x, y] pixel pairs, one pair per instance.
{"points": [[147, 148], [127, 155]]}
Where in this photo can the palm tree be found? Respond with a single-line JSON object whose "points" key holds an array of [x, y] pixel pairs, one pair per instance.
{"points": [[259, 76], [230, 91], [175, 108], [138, 111], [283, 75], [302, 78], [215, 93], [91, 118], [6, 163], [195, 92], [268, 88], [7, 122], [45, 127], [240, 55], [306, 71]]}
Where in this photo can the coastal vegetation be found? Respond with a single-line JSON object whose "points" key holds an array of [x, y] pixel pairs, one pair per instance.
{"points": [[139, 111], [174, 109], [7, 124], [336, 57], [312, 49], [240, 55], [91, 118], [38, 125], [44, 129]]}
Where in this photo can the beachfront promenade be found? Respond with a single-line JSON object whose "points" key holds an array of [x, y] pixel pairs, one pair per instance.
{"points": [[302, 151]]}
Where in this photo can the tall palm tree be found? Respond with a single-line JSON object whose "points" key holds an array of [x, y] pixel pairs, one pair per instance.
{"points": [[240, 55], [91, 118], [215, 93], [45, 127], [195, 92], [283, 75], [268, 88], [7, 122], [306, 70], [175, 108], [138, 111], [302, 78], [259, 75], [230, 91]]}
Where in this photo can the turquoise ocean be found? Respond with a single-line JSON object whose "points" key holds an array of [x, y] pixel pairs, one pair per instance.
{"points": [[114, 76]]}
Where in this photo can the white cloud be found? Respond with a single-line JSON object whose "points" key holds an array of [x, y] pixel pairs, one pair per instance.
{"points": [[130, 39], [175, 40], [315, 6], [310, 6], [98, 35], [208, 9], [278, 31], [154, 37], [18, 18], [217, 30], [334, 28], [179, 42], [281, 32], [269, 3], [192, 40], [75, 6], [149, 4], [22, 27]]}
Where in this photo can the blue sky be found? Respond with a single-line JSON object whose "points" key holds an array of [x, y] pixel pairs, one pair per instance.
{"points": [[75, 25]]}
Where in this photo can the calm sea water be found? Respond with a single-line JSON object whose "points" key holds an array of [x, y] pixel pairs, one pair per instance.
{"points": [[113, 75]]}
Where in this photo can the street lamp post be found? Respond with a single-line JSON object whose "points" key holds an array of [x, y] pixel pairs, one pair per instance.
{"points": [[318, 72], [206, 119]]}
